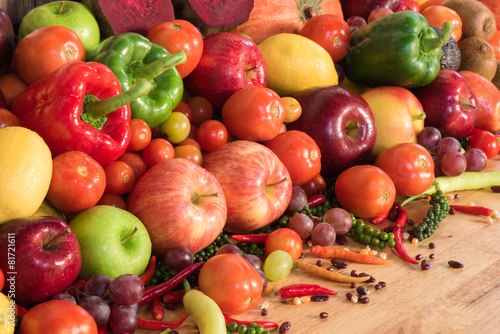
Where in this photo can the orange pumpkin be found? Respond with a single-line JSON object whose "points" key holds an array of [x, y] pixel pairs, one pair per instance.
{"points": [[271, 17]]}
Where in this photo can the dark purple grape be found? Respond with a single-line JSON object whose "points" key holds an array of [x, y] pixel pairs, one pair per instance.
{"points": [[437, 165], [355, 22], [229, 249], [448, 144], [453, 163], [302, 224], [64, 296], [339, 218], [476, 159], [178, 258], [97, 285], [298, 199], [323, 234], [429, 137], [123, 319], [126, 289], [97, 308], [264, 279], [254, 260]]}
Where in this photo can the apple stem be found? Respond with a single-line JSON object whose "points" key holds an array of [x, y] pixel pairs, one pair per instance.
{"points": [[61, 8], [353, 126], [196, 197], [419, 117], [277, 182], [62, 234], [127, 238]]}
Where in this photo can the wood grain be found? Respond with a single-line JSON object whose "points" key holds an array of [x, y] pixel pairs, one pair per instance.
{"points": [[16, 9], [440, 300]]}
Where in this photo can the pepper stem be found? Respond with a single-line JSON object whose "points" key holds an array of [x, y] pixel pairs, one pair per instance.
{"points": [[97, 109], [186, 285], [154, 69], [429, 44]]}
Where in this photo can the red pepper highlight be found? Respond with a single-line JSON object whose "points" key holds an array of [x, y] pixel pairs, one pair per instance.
{"points": [[157, 309], [265, 324], [159, 325], [150, 270], [380, 218], [472, 209], [399, 248], [402, 217], [257, 238], [161, 289], [175, 296], [316, 200], [300, 290]]}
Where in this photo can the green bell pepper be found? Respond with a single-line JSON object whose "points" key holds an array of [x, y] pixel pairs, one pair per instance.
{"points": [[131, 56], [399, 49]]}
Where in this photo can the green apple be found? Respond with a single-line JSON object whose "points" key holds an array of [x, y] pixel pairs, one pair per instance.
{"points": [[112, 242], [70, 14]]}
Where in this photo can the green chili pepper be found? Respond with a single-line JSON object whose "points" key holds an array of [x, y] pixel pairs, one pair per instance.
{"points": [[131, 56], [399, 49]]}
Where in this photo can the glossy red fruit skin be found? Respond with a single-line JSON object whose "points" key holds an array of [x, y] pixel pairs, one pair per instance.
{"points": [[6, 41]]}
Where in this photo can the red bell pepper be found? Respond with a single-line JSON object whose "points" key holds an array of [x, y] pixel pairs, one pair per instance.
{"points": [[80, 106]]}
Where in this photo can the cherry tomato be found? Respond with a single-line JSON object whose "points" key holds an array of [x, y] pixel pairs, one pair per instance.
{"points": [[185, 109], [158, 149], [312, 187], [436, 15], [365, 190], [427, 3], [176, 127], [201, 109], [135, 161], [414, 5], [254, 113], [113, 200], [486, 142], [57, 316], [284, 239], [211, 134], [190, 141], [331, 32], [299, 153], [141, 135], [7, 118], [178, 35], [46, 49], [190, 152], [293, 109], [232, 282], [495, 43], [410, 167], [120, 177], [77, 183]]}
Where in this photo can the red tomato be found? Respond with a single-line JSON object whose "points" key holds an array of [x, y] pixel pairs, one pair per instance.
{"points": [[113, 200], [179, 35], [77, 183], [486, 142], [436, 15], [312, 187], [57, 316], [120, 177], [201, 109], [135, 161], [211, 134], [364, 190], [293, 109], [7, 118], [299, 153], [284, 239], [185, 109], [410, 167], [254, 113], [141, 135], [331, 32], [190, 152], [158, 149], [232, 282], [414, 5]]}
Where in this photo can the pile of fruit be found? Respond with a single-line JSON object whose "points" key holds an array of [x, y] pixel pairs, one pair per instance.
{"points": [[142, 161]]}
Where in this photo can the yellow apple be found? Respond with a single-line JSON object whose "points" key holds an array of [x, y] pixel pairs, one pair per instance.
{"points": [[399, 116]]}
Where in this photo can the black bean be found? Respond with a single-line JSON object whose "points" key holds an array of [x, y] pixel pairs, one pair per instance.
{"points": [[364, 300], [264, 311], [349, 295], [338, 263], [425, 265], [354, 273], [419, 257], [319, 263], [353, 285], [319, 298], [383, 284], [378, 286], [362, 290], [455, 264], [323, 315], [284, 327]]}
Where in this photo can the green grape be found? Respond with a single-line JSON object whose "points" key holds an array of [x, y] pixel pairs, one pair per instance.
{"points": [[278, 265]]}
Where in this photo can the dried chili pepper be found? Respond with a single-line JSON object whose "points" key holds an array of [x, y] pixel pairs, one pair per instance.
{"points": [[402, 217], [150, 270], [472, 209], [399, 248], [265, 324], [257, 238], [344, 254], [300, 290], [157, 309], [160, 289], [325, 273], [316, 200], [159, 325], [380, 218]]}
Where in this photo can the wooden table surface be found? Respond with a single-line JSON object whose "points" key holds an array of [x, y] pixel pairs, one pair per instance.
{"points": [[439, 300]]}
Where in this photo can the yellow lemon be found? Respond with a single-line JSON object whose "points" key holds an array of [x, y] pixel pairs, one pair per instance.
{"points": [[25, 172], [295, 63], [8, 312]]}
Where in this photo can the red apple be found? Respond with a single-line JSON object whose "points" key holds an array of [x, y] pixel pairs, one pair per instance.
{"points": [[488, 101], [363, 8], [40, 257], [257, 184], [180, 203], [229, 62], [449, 104], [6, 41], [342, 124]]}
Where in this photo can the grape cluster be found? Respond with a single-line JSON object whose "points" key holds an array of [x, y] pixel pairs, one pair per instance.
{"points": [[430, 223], [110, 301]]}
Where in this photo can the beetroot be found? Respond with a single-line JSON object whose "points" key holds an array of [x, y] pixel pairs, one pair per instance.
{"points": [[119, 16]]}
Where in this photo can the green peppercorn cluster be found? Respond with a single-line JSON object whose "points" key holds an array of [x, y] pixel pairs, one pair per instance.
{"points": [[430, 223], [209, 251], [252, 328], [366, 234]]}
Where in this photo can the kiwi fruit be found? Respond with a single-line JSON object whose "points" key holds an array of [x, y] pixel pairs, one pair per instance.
{"points": [[496, 78], [450, 58], [477, 18], [477, 56]]}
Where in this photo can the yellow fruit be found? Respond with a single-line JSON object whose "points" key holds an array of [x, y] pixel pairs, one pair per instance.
{"points": [[8, 312], [26, 170], [295, 63]]}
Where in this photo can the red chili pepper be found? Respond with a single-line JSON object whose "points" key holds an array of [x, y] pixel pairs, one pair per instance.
{"points": [[402, 216], [157, 309], [21, 311], [380, 218], [472, 209], [175, 296], [257, 238], [80, 106], [76, 287], [265, 324], [162, 288], [159, 325], [315, 200], [299, 290], [150, 270], [399, 248], [103, 329]]}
